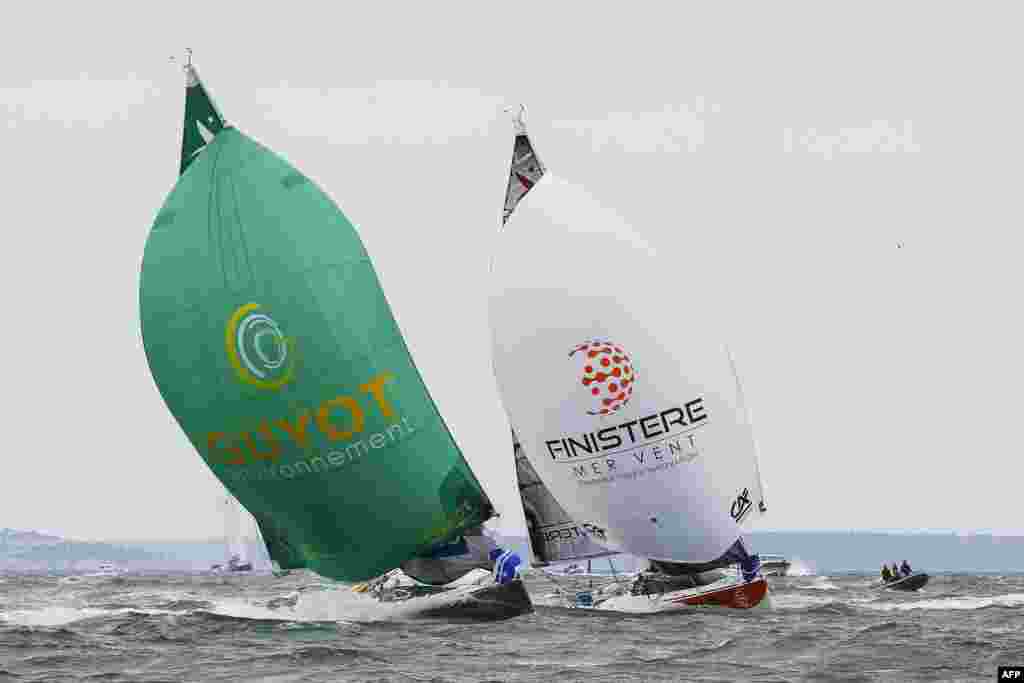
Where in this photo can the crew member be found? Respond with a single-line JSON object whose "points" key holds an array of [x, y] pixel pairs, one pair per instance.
{"points": [[506, 565]]}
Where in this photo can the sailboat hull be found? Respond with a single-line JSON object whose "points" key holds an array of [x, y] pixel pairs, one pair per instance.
{"points": [[727, 593], [774, 566], [492, 602]]}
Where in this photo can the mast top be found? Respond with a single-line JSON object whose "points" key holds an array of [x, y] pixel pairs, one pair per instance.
{"points": [[518, 115], [191, 77]]}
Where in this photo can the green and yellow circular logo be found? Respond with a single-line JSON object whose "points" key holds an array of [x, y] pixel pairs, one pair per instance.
{"points": [[259, 352]]}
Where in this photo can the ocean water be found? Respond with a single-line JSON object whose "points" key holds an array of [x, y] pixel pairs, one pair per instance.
{"points": [[301, 628]]}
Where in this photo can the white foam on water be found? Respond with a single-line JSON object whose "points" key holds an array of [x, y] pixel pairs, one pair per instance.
{"points": [[339, 604], [799, 600], [50, 616], [60, 615], [240, 608], [820, 583], [323, 601], [335, 603], [798, 567], [966, 602]]}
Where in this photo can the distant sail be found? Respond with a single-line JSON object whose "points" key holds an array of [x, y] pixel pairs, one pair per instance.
{"points": [[624, 401], [554, 536], [271, 341]]}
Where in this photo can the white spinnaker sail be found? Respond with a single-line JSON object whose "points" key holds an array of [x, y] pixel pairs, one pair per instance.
{"points": [[598, 322]]}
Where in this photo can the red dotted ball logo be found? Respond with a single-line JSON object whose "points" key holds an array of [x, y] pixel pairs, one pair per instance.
{"points": [[606, 375]]}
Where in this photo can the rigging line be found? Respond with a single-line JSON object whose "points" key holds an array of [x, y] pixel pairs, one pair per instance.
{"points": [[217, 246], [241, 233], [558, 586]]}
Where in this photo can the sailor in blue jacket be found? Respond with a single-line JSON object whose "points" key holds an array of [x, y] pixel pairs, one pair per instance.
{"points": [[506, 565]]}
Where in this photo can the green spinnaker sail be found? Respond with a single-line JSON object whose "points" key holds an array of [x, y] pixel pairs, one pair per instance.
{"points": [[283, 553], [270, 339]]}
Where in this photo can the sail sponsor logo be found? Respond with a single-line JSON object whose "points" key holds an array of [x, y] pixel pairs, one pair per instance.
{"points": [[653, 462], [634, 448], [338, 419], [573, 532], [741, 506], [648, 444], [257, 349], [628, 435], [607, 376]]}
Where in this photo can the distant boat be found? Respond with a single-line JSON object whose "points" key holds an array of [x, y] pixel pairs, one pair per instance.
{"points": [[234, 541], [271, 341], [233, 565], [108, 569], [236, 564], [630, 416], [913, 582], [774, 565]]}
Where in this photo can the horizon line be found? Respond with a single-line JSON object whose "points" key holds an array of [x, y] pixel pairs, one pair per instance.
{"points": [[522, 533]]}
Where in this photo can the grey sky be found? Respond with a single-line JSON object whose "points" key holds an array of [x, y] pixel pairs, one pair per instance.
{"points": [[780, 154]]}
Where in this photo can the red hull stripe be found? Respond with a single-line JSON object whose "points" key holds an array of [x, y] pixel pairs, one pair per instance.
{"points": [[741, 596]]}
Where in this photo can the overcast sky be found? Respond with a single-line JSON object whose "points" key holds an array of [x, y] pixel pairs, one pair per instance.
{"points": [[780, 154]]}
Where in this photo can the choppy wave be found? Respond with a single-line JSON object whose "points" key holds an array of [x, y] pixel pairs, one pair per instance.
{"points": [[302, 627], [820, 583], [799, 567], [963, 602]]}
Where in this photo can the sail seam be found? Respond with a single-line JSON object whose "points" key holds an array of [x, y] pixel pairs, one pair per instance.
{"points": [[241, 232], [213, 210]]}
